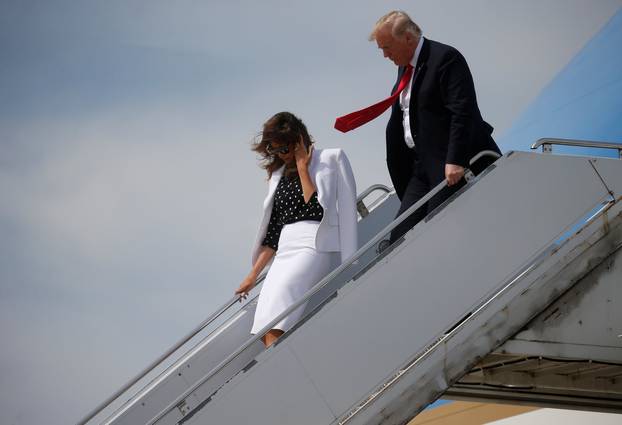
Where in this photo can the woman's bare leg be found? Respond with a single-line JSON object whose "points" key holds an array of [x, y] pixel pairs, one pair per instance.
{"points": [[271, 336]]}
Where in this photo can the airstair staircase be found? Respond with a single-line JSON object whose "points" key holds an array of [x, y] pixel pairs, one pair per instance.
{"points": [[511, 291]]}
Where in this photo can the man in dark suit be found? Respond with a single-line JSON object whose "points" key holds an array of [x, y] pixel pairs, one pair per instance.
{"points": [[435, 126]]}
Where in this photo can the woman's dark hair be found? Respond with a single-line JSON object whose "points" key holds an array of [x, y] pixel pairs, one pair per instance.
{"points": [[282, 128]]}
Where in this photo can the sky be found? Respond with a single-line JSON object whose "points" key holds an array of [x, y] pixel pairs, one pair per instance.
{"points": [[583, 101], [130, 196]]}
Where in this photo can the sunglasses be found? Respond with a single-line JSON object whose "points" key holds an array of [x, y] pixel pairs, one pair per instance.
{"points": [[279, 149]]}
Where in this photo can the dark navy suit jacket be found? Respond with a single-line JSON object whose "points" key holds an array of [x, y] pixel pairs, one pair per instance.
{"points": [[446, 123]]}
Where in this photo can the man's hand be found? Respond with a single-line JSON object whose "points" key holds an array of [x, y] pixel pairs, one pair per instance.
{"points": [[453, 173]]}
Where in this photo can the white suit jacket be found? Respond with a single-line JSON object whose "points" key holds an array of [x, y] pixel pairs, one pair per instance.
{"points": [[336, 192]]}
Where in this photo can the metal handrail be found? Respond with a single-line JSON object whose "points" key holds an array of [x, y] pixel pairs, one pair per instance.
{"points": [[364, 194], [327, 279], [492, 154], [547, 143], [536, 261], [468, 174], [219, 312], [360, 205]]}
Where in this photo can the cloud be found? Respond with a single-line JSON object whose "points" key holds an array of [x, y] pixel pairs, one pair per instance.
{"points": [[130, 195]]}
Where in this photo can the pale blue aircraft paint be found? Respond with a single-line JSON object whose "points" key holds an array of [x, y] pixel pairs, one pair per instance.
{"points": [[584, 101]]}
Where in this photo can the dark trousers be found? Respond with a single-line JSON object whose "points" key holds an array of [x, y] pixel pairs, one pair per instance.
{"points": [[421, 182]]}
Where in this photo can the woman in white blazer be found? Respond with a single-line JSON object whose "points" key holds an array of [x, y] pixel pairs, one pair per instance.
{"points": [[309, 220]]}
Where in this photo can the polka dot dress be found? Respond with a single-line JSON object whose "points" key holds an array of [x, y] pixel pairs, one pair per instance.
{"points": [[297, 265], [290, 207]]}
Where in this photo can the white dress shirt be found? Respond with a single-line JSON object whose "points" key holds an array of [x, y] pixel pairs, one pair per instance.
{"points": [[405, 98]]}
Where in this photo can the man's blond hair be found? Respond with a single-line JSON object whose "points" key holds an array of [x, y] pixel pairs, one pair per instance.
{"points": [[400, 23]]}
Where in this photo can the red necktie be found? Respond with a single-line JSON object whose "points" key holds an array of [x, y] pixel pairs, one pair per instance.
{"points": [[358, 118]]}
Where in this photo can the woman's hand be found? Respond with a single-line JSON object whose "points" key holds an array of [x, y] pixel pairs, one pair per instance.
{"points": [[264, 256], [247, 284], [303, 158]]}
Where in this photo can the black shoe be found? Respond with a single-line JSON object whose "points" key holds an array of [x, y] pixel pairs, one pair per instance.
{"points": [[383, 245]]}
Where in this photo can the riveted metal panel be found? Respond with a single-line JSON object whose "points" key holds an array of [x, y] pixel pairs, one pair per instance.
{"points": [[448, 266], [279, 392], [586, 322]]}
